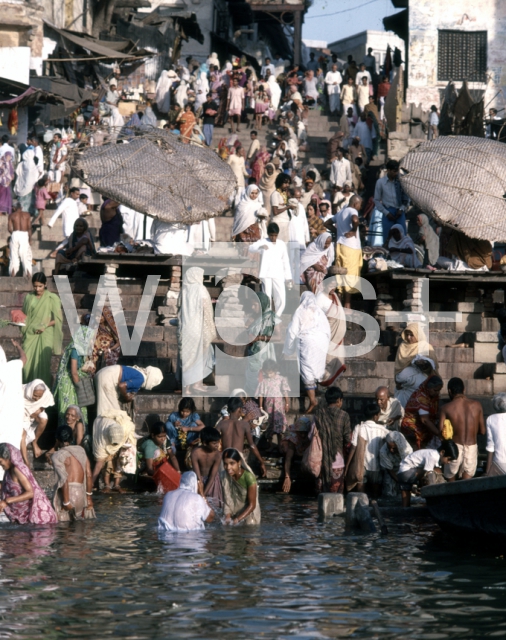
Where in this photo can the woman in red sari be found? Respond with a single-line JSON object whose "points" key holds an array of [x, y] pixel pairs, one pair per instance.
{"points": [[420, 421], [262, 158], [22, 499]]}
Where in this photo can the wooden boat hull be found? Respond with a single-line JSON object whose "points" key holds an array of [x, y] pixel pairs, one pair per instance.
{"points": [[471, 507]]}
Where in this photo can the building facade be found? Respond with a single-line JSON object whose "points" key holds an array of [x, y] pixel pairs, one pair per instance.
{"points": [[455, 40], [358, 44]]}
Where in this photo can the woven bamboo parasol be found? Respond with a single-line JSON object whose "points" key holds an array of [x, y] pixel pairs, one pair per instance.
{"points": [[156, 174], [461, 182]]}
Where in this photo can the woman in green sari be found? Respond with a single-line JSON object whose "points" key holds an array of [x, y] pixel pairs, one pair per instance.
{"points": [[240, 490], [73, 367], [42, 333], [260, 349]]}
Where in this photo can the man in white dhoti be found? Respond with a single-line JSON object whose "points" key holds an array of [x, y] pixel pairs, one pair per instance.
{"points": [[333, 80], [20, 226], [274, 267]]}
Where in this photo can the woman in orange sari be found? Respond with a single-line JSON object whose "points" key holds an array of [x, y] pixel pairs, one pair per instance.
{"points": [[186, 121]]}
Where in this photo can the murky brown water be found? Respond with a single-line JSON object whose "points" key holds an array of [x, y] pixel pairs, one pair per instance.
{"points": [[290, 578]]}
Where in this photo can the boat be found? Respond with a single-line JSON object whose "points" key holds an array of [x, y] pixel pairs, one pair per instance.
{"points": [[472, 507]]}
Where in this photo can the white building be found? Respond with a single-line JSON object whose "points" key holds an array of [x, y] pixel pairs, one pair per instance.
{"points": [[455, 40], [358, 44]]}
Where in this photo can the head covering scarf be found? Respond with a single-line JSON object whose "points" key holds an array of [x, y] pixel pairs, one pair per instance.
{"points": [[31, 405], [196, 329], [268, 182], [152, 376], [389, 460], [405, 242], [27, 174], [275, 91], [245, 212], [38, 510], [182, 94], [315, 251], [111, 431], [162, 89], [430, 238], [184, 509], [406, 352]]}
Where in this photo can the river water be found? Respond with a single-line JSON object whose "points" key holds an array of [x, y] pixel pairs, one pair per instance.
{"points": [[293, 577]]}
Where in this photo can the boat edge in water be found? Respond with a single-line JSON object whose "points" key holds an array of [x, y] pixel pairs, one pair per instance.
{"points": [[473, 507]]}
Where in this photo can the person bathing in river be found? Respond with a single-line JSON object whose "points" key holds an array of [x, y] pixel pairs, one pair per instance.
{"points": [[417, 465], [233, 431], [206, 464], [185, 509], [466, 418], [72, 497], [240, 490]]}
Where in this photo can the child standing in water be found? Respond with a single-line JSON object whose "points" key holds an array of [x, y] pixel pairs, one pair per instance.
{"points": [[272, 393]]}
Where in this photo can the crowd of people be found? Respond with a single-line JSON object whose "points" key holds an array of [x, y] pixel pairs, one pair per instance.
{"points": [[301, 226]]}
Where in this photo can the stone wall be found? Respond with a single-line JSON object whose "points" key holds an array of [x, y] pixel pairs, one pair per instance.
{"points": [[426, 17]]}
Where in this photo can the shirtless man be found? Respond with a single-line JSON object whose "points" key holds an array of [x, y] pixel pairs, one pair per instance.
{"points": [[75, 486], [467, 420], [233, 431], [20, 228], [206, 459]]}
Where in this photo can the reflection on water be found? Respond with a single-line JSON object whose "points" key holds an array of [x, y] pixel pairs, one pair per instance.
{"points": [[290, 578]]}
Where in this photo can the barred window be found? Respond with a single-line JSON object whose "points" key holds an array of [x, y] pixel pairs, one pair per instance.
{"points": [[462, 55]]}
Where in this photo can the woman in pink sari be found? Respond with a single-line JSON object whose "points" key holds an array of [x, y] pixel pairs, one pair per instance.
{"points": [[262, 158], [21, 499]]}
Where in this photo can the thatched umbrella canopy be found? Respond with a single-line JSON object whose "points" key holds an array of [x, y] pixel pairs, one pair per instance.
{"points": [[156, 174], [461, 182]]}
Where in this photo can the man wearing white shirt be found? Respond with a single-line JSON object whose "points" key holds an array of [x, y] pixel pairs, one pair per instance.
{"points": [[363, 73], [348, 248], [340, 171], [6, 147], [69, 211], [268, 65], [374, 435], [415, 466], [37, 150], [333, 80], [274, 267]]}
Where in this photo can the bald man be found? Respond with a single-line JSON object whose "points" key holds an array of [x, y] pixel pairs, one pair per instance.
{"points": [[392, 411]]}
